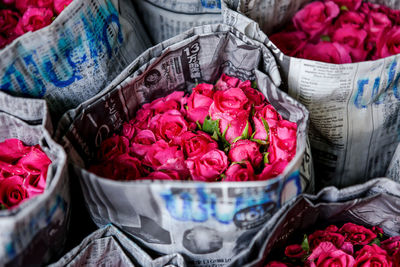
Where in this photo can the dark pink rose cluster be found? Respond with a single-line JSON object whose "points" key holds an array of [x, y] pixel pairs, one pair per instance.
{"points": [[23, 172], [351, 245], [341, 31], [222, 132], [20, 16]]}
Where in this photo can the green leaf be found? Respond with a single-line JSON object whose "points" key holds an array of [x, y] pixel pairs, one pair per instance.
{"points": [[266, 160], [344, 8], [260, 142], [215, 136], [266, 127], [305, 245], [2, 207], [245, 133], [254, 84], [186, 107], [236, 139], [325, 38], [198, 125], [376, 241], [209, 125]]}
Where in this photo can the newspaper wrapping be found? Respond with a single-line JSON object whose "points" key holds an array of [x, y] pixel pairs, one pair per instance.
{"points": [[35, 230], [374, 203], [109, 246], [164, 19], [354, 108], [69, 61], [208, 223]]}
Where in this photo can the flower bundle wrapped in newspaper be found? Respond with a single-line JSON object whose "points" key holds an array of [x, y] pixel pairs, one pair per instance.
{"points": [[226, 132], [20, 16], [346, 246], [23, 172], [205, 221], [337, 31]]}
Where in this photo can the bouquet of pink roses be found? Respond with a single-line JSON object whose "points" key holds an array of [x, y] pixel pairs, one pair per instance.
{"points": [[341, 31], [348, 246], [226, 132], [23, 172], [20, 16]]}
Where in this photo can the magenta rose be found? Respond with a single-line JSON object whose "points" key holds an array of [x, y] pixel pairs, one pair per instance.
{"points": [[170, 102], [271, 117], [353, 39], [246, 150], [325, 236], [350, 19], [112, 147], [8, 170], [36, 18], [326, 255], [226, 82], [128, 130], [12, 150], [197, 107], [282, 141], [389, 44], [35, 162], [8, 21], [357, 234], [169, 126], [59, 5], [326, 52], [209, 166], [236, 128], [229, 104], [142, 117], [373, 256], [290, 43], [163, 175], [377, 23], [12, 191], [240, 172], [255, 97], [273, 170], [295, 251], [142, 142], [391, 245], [162, 156], [348, 4], [315, 17], [204, 89], [35, 183], [197, 144], [276, 264]]}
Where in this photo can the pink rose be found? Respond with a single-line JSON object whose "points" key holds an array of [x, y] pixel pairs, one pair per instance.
{"points": [[128, 130], [35, 183], [204, 89], [372, 256], [325, 236], [35, 162], [163, 175], [162, 156], [276, 264], [350, 19], [123, 167], [197, 107], [348, 4], [377, 24], [357, 234], [271, 117], [142, 142], [59, 5], [239, 172], [12, 150], [12, 191], [112, 147], [348, 248], [169, 126], [142, 117], [229, 104], [243, 150], [327, 256], [282, 141], [170, 102], [391, 245], [8, 170], [197, 144], [389, 44], [209, 166], [353, 39], [273, 170], [8, 21], [290, 43], [326, 52], [226, 82], [255, 97], [36, 18], [239, 127], [294, 251], [314, 18]]}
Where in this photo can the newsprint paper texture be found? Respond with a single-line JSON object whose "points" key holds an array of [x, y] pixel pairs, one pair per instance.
{"points": [[70, 60], [354, 108], [35, 230], [208, 223]]}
